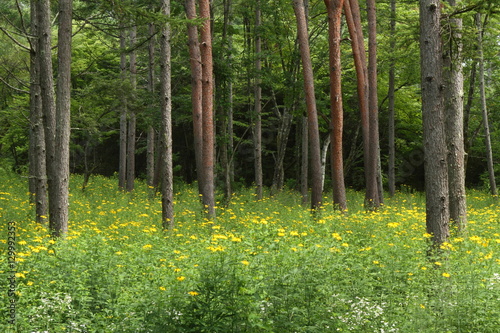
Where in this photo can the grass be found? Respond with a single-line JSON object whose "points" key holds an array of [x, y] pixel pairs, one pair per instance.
{"points": [[263, 266]]}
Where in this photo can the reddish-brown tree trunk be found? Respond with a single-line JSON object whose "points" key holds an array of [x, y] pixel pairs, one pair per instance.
{"points": [[208, 193], [334, 11], [312, 115]]}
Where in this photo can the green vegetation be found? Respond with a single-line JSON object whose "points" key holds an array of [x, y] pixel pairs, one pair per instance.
{"points": [[264, 266]]}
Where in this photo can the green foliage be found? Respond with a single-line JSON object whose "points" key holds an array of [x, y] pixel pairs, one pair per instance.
{"points": [[263, 266]]}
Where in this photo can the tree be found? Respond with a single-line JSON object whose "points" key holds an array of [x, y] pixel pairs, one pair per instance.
{"points": [[37, 163], [373, 189], [454, 107], [391, 172], [196, 90], [167, 178], [257, 134], [334, 11], [486, 125], [435, 152], [132, 120], [208, 193], [122, 168], [312, 115]]}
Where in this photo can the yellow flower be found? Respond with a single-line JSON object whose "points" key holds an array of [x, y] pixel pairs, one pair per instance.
{"points": [[20, 275], [422, 306], [336, 236], [23, 242], [245, 262], [423, 268], [393, 224], [376, 262], [119, 253], [147, 247], [437, 263], [446, 275], [345, 245], [29, 283], [163, 288], [193, 293], [181, 278]]}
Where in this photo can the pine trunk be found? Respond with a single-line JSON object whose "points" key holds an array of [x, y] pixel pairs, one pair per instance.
{"points": [[167, 191], [435, 152], [257, 133], [334, 11], [454, 107]]}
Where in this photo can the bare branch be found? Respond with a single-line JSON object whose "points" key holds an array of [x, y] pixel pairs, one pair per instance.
{"points": [[14, 88], [11, 37]]}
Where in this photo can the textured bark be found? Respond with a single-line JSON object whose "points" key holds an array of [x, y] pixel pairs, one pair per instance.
{"points": [[285, 123], [454, 108], [435, 152], [131, 114], [391, 173], [257, 133], [167, 191], [312, 115], [122, 167], [353, 20], [373, 191], [196, 90], [334, 11], [151, 89], [468, 139], [208, 192], [304, 164], [482, 93], [59, 193], [38, 168]]}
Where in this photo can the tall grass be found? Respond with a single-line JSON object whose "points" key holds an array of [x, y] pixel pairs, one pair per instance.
{"points": [[262, 266]]}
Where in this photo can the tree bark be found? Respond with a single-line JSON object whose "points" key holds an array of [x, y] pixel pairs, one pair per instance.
{"points": [[391, 174], [151, 131], [487, 137], [435, 152], [208, 193], [59, 193], [167, 190], [374, 198], [304, 164], [257, 133], [122, 167], [196, 90], [334, 11], [38, 167], [454, 108], [353, 20], [131, 113], [312, 115]]}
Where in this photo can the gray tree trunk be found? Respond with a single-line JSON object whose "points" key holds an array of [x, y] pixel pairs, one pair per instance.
{"points": [[487, 137], [167, 190], [37, 155], [131, 113], [122, 167], [151, 131], [59, 193], [391, 173], [454, 83], [196, 90], [304, 164], [257, 132], [435, 152]]}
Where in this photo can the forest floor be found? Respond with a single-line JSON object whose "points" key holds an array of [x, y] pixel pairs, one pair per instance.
{"points": [[261, 266]]}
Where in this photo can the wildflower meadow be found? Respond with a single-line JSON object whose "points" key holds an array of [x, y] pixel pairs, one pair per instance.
{"points": [[261, 266]]}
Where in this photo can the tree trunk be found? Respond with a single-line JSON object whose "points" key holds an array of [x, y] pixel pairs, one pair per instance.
{"points": [[207, 109], [312, 115], [304, 164], [122, 168], [132, 117], [257, 133], [167, 191], [38, 167], [435, 153], [373, 198], [391, 174], [468, 139], [151, 131], [454, 107], [334, 11], [487, 137], [353, 20], [285, 122], [59, 193], [196, 90]]}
